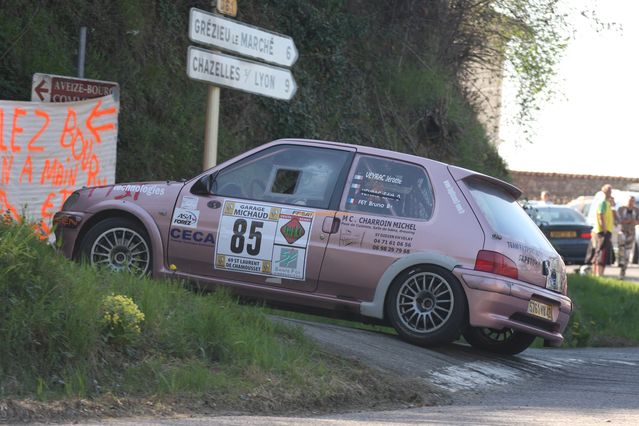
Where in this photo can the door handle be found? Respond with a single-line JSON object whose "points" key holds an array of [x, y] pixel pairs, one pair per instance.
{"points": [[330, 225]]}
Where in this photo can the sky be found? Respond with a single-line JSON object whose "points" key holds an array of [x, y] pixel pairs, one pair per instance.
{"points": [[592, 125]]}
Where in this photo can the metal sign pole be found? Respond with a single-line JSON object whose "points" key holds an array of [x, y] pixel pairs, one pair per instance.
{"points": [[82, 51], [212, 126]]}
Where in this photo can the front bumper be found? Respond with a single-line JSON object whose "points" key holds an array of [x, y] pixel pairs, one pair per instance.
{"points": [[498, 302], [67, 229]]}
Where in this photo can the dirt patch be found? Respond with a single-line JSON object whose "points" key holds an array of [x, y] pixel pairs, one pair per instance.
{"points": [[358, 388]]}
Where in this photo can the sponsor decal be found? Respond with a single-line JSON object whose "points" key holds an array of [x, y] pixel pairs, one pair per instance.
{"points": [[142, 189], [288, 261], [186, 218], [292, 231], [454, 197], [189, 203], [384, 235], [187, 236], [288, 258]]}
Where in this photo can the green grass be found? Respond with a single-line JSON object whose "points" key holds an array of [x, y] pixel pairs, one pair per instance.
{"points": [[54, 344], [605, 313]]}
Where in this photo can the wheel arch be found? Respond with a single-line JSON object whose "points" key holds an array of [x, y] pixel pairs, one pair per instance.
{"points": [[141, 217], [375, 308]]}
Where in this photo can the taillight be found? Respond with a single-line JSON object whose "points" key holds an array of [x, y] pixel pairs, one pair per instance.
{"points": [[587, 235], [496, 263]]}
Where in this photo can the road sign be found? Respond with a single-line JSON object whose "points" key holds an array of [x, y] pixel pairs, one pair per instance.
{"points": [[241, 74], [237, 37], [227, 7], [57, 88]]}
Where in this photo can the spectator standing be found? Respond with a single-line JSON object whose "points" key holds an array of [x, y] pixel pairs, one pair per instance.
{"points": [[604, 225], [628, 218], [545, 197]]}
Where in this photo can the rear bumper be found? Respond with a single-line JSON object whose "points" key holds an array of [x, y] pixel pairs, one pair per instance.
{"points": [[498, 302]]}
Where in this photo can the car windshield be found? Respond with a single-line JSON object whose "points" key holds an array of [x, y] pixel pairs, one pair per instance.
{"points": [[504, 215], [556, 215]]}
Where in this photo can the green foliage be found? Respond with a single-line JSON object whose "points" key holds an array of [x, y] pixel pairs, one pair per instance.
{"points": [[379, 78], [52, 319], [537, 33]]}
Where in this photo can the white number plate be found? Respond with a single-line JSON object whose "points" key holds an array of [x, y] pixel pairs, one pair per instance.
{"points": [[539, 309]]}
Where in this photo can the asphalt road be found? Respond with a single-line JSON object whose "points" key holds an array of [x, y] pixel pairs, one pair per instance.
{"points": [[540, 386]]}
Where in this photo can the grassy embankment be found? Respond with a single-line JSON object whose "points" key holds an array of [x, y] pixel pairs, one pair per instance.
{"points": [[606, 312], [56, 343]]}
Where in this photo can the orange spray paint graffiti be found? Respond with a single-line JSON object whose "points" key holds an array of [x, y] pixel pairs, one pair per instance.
{"points": [[47, 150]]}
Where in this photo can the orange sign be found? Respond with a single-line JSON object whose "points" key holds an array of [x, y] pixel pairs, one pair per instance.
{"points": [[48, 150]]}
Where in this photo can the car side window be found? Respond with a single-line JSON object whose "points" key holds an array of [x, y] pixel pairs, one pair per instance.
{"points": [[391, 188], [300, 175]]}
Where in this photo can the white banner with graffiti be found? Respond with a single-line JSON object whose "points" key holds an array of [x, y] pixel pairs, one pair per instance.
{"points": [[50, 149]]}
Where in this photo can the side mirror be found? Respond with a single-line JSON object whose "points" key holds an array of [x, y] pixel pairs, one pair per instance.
{"points": [[204, 186]]}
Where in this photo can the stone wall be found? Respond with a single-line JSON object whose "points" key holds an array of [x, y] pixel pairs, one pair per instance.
{"points": [[565, 187]]}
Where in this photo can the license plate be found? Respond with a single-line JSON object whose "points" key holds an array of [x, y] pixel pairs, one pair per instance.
{"points": [[563, 234], [539, 309]]}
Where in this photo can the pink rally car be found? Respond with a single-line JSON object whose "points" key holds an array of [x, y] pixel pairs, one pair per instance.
{"points": [[435, 250]]}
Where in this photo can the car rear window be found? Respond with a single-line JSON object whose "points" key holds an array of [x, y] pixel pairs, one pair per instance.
{"points": [[502, 212], [556, 215]]}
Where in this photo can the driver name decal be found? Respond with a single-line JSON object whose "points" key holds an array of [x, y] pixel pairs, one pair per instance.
{"points": [[263, 239]]}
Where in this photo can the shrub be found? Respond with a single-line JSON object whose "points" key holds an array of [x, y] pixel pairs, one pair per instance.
{"points": [[121, 319]]}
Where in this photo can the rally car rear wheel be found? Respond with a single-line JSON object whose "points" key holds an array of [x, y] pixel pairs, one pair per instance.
{"points": [[506, 341], [426, 305], [118, 244]]}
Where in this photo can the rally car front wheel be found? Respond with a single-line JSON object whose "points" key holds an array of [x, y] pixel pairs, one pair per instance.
{"points": [[118, 244]]}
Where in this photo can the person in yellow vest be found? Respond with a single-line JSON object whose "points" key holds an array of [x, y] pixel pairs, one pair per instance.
{"points": [[603, 228]]}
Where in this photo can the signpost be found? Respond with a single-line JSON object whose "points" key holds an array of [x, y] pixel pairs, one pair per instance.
{"points": [[222, 70], [57, 88], [241, 74], [243, 39], [227, 7]]}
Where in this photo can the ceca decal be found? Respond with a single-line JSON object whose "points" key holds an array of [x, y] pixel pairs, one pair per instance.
{"points": [[263, 239], [199, 238]]}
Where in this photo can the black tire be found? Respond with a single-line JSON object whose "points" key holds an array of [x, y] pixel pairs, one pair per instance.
{"points": [[426, 305], [505, 342], [119, 244]]}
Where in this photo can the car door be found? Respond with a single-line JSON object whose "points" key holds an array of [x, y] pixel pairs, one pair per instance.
{"points": [[262, 221], [387, 203]]}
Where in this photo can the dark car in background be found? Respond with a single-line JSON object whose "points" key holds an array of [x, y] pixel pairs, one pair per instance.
{"points": [[566, 229]]}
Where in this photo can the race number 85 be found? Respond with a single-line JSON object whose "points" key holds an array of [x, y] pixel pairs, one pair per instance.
{"points": [[238, 240]]}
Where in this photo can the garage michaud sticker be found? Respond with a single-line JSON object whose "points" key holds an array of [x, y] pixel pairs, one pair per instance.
{"points": [[263, 239]]}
